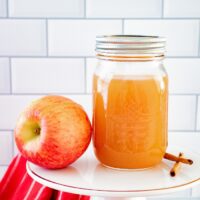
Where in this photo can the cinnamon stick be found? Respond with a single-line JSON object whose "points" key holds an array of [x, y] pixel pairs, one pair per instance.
{"points": [[176, 166], [171, 157]]}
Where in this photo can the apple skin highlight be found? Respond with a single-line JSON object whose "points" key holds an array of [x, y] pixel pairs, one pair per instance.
{"points": [[53, 132]]}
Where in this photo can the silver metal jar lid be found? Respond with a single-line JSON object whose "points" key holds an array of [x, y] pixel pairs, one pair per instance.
{"points": [[130, 44]]}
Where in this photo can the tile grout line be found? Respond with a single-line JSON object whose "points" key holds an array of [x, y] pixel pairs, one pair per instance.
{"points": [[85, 1], [73, 57], [170, 130], [13, 143], [190, 195], [47, 37], [10, 77], [85, 76], [199, 40], [42, 94], [103, 18], [183, 57], [183, 94], [6, 130], [50, 57], [162, 9], [196, 113], [122, 26], [7, 9], [83, 93], [182, 131], [4, 165]]}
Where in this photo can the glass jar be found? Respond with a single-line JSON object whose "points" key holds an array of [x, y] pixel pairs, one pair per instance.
{"points": [[130, 101]]}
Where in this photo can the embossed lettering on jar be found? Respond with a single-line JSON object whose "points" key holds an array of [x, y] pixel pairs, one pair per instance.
{"points": [[130, 98]]}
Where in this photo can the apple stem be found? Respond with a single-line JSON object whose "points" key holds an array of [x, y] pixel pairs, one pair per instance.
{"points": [[37, 131]]}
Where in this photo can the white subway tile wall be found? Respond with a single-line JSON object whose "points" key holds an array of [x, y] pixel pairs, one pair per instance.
{"points": [[48, 47], [10, 108], [91, 63], [184, 75], [3, 10], [48, 75], [4, 75], [182, 112], [77, 37], [124, 8], [182, 35], [2, 171], [6, 144], [46, 8], [22, 37], [182, 8], [16, 151], [198, 114]]}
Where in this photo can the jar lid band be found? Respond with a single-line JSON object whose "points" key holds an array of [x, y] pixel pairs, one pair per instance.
{"points": [[130, 44]]}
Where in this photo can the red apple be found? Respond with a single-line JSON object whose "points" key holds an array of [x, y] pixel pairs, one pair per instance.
{"points": [[53, 132]]}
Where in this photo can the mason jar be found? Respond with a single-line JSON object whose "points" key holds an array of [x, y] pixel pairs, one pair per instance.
{"points": [[130, 101]]}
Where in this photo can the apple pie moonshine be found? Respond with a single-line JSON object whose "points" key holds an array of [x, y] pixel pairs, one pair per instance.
{"points": [[130, 101]]}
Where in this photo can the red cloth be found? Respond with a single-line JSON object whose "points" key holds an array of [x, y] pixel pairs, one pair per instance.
{"points": [[17, 185]]}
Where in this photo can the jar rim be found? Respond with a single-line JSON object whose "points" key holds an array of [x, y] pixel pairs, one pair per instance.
{"points": [[130, 44]]}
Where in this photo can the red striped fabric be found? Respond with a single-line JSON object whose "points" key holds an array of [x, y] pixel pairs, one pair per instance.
{"points": [[16, 184]]}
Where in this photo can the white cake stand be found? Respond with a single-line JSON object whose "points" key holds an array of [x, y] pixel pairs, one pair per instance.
{"points": [[87, 177]]}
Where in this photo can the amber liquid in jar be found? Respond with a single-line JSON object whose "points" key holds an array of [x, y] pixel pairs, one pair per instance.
{"points": [[130, 120], [130, 101]]}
